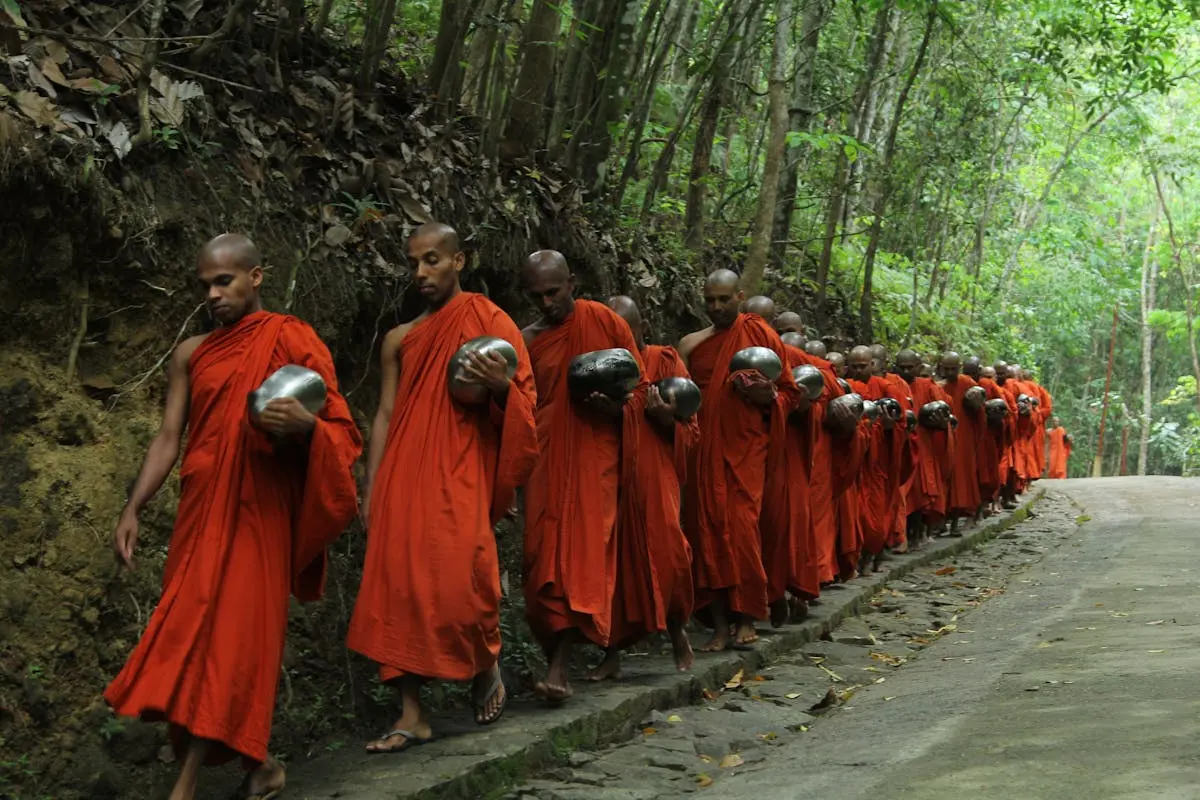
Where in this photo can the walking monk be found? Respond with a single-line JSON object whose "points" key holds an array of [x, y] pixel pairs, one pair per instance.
{"points": [[927, 497], [899, 390], [654, 561], [1060, 450], [991, 439], [572, 499], [742, 414], [439, 475], [966, 402], [258, 504]]}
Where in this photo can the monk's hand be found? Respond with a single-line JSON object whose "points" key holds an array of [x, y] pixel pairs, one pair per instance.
{"points": [[659, 410], [489, 370], [286, 416], [125, 538], [755, 389], [605, 405]]}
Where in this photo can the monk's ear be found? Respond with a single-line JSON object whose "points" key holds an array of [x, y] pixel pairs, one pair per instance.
{"points": [[460, 261], [256, 276]]}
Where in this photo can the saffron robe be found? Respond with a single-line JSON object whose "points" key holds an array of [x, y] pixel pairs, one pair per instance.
{"points": [[882, 471], [1043, 413], [654, 559], [827, 483], [252, 523], [899, 390], [963, 482], [928, 493], [571, 502], [429, 603], [1026, 442], [725, 488], [1060, 452], [990, 447]]}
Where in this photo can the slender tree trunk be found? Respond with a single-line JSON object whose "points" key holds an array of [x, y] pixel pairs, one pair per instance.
{"points": [[687, 35], [523, 135], [613, 94], [760, 240], [564, 93], [800, 116], [447, 49], [1185, 277], [866, 304], [1149, 280], [322, 17], [1098, 463]]}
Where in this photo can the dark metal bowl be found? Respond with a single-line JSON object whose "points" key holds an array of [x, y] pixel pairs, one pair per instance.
{"points": [[794, 339], [852, 401], [684, 393], [935, 415], [996, 408], [462, 388], [910, 419], [870, 410], [844, 384], [612, 372], [974, 398], [809, 379], [762, 359], [890, 406], [290, 380]]}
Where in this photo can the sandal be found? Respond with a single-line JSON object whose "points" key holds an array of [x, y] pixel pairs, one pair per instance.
{"points": [[410, 740], [481, 709]]}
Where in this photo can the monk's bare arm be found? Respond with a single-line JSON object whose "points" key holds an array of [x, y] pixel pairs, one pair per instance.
{"points": [[164, 449], [688, 343]]}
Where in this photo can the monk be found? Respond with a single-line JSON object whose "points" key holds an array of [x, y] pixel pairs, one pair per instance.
{"points": [[439, 475], [837, 362], [898, 390], [927, 497], [967, 407], [886, 464], [743, 415], [654, 561], [789, 322], [1028, 441], [260, 500], [573, 495], [1044, 409], [816, 347], [1012, 481], [784, 525], [989, 442], [1060, 450], [849, 460]]}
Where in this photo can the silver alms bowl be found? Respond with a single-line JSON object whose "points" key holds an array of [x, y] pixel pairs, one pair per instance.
{"points": [[810, 380], [935, 415], [870, 410], [762, 359], [996, 408], [974, 398], [462, 388], [852, 401], [289, 380], [890, 406], [612, 372], [794, 339], [684, 393]]}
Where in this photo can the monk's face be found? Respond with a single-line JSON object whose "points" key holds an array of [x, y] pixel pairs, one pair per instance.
{"points": [[721, 303], [908, 368], [949, 369], [972, 369], [988, 372], [858, 366], [435, 267], [552, 292], [232, 290]]}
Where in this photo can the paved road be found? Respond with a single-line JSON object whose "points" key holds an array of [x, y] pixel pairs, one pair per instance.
{"points": [[1082, 681]]}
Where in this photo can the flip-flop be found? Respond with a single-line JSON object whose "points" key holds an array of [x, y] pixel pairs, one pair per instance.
{"points": [[410, 740], [481, 708]]}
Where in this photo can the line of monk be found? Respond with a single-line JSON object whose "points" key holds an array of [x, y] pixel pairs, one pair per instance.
{"points": [[638, 517]]}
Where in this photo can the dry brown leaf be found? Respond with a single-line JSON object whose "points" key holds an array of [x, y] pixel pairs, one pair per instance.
{"points": [[730, 761], [92, 86], [703, 781], [674, 719], [56, 50], [50, 70], [39, 109], [946, 571], [736, 680], [649, 731], [792, 695], [709, 694], [769, 736]]}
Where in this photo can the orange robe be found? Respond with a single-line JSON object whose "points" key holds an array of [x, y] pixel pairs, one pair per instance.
{"points": [[899, 390], [251, 524], [928, 493], [571, 501], [827, 484], [788, 551], [883, 469], [725, 489], [1043, 413], [963, 482], [990, 447], [1060, 451], [429, 603], [654, 559], [1026, 444]]}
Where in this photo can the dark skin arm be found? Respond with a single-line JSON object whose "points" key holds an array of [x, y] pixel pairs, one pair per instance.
{"points": [[163, 453], [660, 412], [389, 373]]}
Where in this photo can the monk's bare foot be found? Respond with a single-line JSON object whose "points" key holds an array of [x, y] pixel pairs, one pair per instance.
{"points": [[557, 686], [718, 642], [877, 563], [407, 732], [682, 647], [490, 696], [779, 613], [849, 576], [900, 549], [746, 635], [265, 782], [609, 669]]}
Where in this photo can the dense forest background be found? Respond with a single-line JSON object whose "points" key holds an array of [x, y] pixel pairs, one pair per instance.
{"points": [[1007, 178]]}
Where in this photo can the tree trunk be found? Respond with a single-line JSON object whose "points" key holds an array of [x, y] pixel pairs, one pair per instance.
{"points": [[1149, 281], [612, 100], [865, 307], [683, 49], [800, 116], [1185, 277], [1098, 462], [523, 135], [837, 193], [377, 33], [760, 240]]}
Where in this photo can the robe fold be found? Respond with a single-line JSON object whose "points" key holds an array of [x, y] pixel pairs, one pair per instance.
{"points": [[849, 456], [826, 486], [1043, 413], [990, 448], [963, 482], [429, 603], [880, 477], [654, 559], [1025, 432], [899, 390], [725, 489], [252, 523], [571, 501], [1060, 452], [928, 494]]}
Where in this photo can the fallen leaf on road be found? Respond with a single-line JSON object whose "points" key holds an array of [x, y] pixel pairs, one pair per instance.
{"points": [[886, 699], [703, 780], [674, 719], [1156, 651], [832, 675], [792, 695], [1118, 613], [1043, 645], [880, 680], [648, 731], [706, 759], [769, 736], [736, 680], [760, 678], [1156, 622], [946, 571], [730, 761], [709, 694]]}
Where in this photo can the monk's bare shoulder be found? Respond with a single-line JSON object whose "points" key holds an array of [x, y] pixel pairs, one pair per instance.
{"points": [[688, 343], [530, 332], [396, 335], [183, 352]]}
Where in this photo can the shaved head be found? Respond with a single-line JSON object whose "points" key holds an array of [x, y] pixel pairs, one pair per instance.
{"points": [[231, 250], [628, 310], [724, 278], [789, 322], [879, 358], [837, 362], [859, 364], [793, 339], [908, 365], [972, 367], [722, 298], [816, 348], [949, 366], [549, 284], [988, 372], [447, 237], [1001, 370], [547, 262], [762, 305]]}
